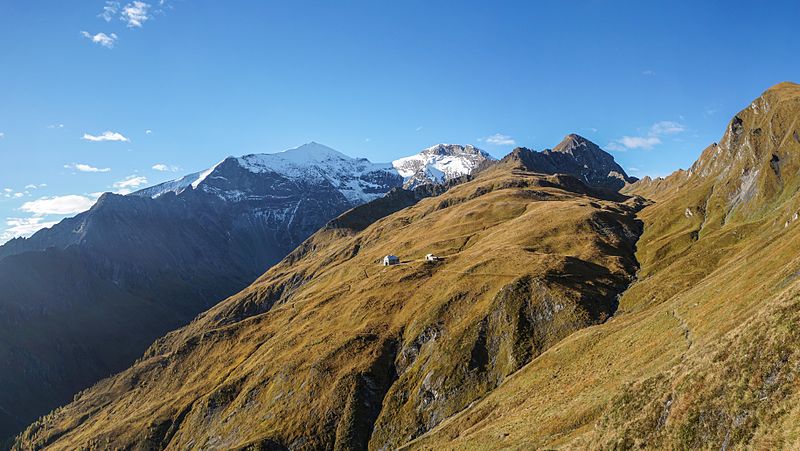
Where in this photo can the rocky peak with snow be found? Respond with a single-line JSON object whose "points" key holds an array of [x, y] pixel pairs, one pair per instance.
{"points": [[357, 179], [439, 163]]}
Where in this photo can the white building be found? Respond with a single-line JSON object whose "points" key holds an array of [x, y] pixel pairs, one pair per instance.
{"points": [[390, 260]]}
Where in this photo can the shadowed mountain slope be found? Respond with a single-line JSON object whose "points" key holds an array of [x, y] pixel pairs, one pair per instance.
{"points": [[159, 257], [329, 349], [704, 352]]}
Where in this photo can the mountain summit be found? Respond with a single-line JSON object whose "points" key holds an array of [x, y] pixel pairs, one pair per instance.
{"points": [[440, 163], [577, 156], [357, 179]]}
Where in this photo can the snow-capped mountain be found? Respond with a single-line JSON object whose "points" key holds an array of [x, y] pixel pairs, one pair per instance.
{"points": [[439, 163], [357, 179]]}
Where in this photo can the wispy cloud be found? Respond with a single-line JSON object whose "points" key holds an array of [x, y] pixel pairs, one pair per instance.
{"points": [[129, 183], [106, 40], [418, 129], [55, 126], [42, 211], [85, 168], [148, 132], [109, 11], [10, 193], [499, 139], [58, 205], [648, 72], [24, 227], [161, 167], [135, 14], [106, 136], [666, 128], [648, 141], [2, 135], [635, 142]]}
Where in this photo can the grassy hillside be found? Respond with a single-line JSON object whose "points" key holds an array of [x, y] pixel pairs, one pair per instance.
{"points": [[704, 351], [329, 349]]}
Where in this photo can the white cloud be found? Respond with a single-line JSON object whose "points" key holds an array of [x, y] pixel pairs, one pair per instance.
{"points": [[148, 132], [54, 126], [2, 135], [8, 190], [164, 168], [639, 142], [126, 185], [106, 136], [109, 11], [135, 14], [18, 195], [648, 72], [418, 129], [648, 142], [666, 128], [31, 186], [58, 205], [85, 168], [106, 40], [499, 139], [24, 227]]}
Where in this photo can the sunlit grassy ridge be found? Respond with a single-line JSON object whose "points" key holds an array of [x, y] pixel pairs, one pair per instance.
{"points": [[704, 351]]}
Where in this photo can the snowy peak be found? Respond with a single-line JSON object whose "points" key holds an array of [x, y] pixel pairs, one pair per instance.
{"points": [[251, 176], [357, 179], [439, 163]]}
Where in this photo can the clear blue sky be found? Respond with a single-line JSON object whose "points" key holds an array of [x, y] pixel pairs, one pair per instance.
{"points": [[654, 84]]}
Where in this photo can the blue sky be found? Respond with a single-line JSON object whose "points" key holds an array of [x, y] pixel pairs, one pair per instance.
{"points": [[180, 84]]}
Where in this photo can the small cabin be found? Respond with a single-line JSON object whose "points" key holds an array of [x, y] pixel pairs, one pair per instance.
{"points": [[390, 260], [432, 258]]}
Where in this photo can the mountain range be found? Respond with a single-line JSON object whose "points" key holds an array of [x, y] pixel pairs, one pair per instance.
{"points": [[560, 313], [83, 300]]}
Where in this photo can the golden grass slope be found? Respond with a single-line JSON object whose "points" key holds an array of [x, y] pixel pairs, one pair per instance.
{"points": [[331, 350], [704, 352]]}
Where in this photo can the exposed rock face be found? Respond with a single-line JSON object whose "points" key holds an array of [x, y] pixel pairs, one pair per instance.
{"points": [[440, 163], [576, 156]]}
